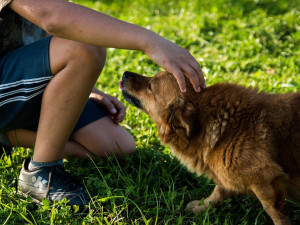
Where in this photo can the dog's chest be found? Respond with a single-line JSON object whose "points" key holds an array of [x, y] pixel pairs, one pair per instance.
{"points": [[191, 158], [196, 154]]}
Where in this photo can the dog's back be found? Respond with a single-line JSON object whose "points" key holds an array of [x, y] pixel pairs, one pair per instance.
{"points": [[273, 121], [284, 121]]}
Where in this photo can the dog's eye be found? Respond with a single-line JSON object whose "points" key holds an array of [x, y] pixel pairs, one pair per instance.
{"points": [[149, 86]]}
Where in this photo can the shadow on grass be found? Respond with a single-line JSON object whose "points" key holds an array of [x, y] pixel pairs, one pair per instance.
{"points": [[152, 187]]}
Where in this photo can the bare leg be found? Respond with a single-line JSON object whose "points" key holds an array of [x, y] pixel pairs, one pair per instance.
{"points": [[76, 68], [101, 138], [219, 194], [26, 138]]}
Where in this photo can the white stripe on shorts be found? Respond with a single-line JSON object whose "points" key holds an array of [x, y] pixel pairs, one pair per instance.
{"points": [[28, 81], [25, 94], [22, 90]]}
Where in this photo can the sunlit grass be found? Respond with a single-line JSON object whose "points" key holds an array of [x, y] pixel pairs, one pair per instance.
{"points": [[252, 43]]}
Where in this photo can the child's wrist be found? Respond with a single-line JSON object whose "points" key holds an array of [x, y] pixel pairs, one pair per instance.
{"points": [[147, 40]]}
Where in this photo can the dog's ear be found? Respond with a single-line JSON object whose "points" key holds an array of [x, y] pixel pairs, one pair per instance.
{"points": [[165, 126], [181, 115], [188, 118], [192, 124]]}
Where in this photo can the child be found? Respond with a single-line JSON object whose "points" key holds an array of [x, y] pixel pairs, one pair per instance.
{"points": [[51, 55]]}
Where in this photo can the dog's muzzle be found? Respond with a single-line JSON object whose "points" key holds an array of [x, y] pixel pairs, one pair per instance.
{"points": [[126, 93]]}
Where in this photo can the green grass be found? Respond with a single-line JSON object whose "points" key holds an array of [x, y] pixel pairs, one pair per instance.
{"points": [[249, 42]]}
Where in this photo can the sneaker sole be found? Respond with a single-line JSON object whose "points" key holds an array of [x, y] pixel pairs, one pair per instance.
{"points": [[33, 199], [82, 209]]}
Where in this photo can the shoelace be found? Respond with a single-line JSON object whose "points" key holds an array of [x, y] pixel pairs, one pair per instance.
{"points": [[48, 188]]}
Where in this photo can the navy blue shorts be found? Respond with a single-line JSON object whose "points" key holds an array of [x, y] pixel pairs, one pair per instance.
{"points": [[24, 75]]}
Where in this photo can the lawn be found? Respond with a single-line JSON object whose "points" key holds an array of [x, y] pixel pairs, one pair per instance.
{"points": [[249, 42]]}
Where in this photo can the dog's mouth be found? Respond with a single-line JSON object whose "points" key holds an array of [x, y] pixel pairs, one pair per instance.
{"points": [[132, 100], [129, 98]]}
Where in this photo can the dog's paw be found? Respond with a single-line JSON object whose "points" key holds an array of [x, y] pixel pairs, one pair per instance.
{"points": [[195, 207]]}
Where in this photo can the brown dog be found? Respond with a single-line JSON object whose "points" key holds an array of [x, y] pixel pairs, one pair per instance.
{"points": [[247, 142]]}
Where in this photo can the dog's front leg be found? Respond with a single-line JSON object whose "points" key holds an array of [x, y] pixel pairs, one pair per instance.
{"points": [[219, 194]]}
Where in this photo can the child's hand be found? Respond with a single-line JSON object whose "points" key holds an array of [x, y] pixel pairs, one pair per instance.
{"points": [[176, 60], [112, 104]]}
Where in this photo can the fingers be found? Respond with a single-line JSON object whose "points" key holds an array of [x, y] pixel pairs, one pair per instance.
{"points": [[177, 61], [112, 104], [194, 73], [104, 101], [121, 111], [193, 76], [116, 108], [199, 73], [180, 79], [185, 64]]}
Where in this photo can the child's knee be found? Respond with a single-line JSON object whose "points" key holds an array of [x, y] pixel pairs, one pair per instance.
{"points": [[129, 145], [124, 143], [96, 55], [67, 52], [91, 56]]}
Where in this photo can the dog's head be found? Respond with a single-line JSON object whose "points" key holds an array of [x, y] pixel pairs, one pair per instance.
{"points": [[161, 98]]}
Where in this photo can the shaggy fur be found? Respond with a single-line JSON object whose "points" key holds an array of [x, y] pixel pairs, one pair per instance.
{"points": [[247, 142]]}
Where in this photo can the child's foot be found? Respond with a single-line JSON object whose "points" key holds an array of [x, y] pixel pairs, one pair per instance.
{"points": [[52, 183]]}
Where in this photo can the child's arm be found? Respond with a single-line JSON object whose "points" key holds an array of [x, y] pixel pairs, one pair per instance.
{"points": [[72, 21]]}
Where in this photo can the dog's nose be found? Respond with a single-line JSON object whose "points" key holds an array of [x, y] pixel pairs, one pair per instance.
{"points": [[126, 74]]}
